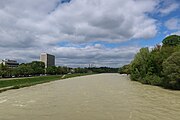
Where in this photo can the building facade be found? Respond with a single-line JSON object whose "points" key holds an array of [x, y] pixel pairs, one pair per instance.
{"points": [[10, 63], [48, 59]]}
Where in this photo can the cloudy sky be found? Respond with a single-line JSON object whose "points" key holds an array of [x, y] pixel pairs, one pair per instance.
{"points": [[82, 32]]}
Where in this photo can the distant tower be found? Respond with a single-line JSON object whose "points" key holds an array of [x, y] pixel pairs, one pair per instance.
{"points": [[48, 59]]}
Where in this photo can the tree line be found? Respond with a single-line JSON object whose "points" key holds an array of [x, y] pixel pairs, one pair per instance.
{"points": [[34, 68], [64, 70], [37, 68], [158, 66]]}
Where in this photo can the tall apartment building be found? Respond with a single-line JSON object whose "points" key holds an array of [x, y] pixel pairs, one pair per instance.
{"points": [[48, 59]]}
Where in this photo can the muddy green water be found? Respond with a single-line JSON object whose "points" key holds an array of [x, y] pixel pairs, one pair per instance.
{"points": [[94, 97]]}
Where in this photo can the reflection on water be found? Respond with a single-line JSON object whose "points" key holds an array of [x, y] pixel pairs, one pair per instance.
{"points": [[95, 97]]}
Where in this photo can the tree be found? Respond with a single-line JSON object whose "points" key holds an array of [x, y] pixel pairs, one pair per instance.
{"points": [[171, 71], [52, 70], [23, 70], [81, 70], [125, 69], [63, 70], [172, 40], [4, 70], [160, 66], [38, 67], [155, 61], [139, 66], [157, 56]]}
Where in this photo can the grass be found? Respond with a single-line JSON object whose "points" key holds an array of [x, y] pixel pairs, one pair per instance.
{"points": [[25, 82]]}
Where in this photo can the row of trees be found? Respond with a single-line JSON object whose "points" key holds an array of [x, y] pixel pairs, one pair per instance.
{"points": [[53, 70], [37, 68], [64, 70], [159, 66], [103, 70], [33, 68]]}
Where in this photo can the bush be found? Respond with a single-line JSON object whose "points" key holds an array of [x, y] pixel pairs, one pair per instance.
{"points": [[171, 71], [172, 40], [152, 80], [160, 66]]}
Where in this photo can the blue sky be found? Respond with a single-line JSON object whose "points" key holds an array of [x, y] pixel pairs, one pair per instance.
{"points": [[163, 30], [83, 32]]}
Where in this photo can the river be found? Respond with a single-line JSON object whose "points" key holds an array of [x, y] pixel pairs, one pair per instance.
{"points": [[93, 97]]}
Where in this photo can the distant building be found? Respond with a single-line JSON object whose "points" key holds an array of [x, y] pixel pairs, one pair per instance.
{"points": [[10, 63], [48, 59]]}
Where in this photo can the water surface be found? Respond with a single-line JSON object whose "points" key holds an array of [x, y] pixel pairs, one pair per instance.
{"points": [[94, 97]]}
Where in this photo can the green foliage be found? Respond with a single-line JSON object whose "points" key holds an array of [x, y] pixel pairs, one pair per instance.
{"points": [[5, 71], [125, 69], [63, 70], [160, 66], [171, 71], [80, 70], [102, 70], [23, 69], [172, 40], [38, 67], [25, 82], [33, 68], [52, 70], [152, 80], [139, 66], [157, 56]]}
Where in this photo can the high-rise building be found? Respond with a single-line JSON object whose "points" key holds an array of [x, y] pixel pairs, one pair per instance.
{"points": [[48, 59]]}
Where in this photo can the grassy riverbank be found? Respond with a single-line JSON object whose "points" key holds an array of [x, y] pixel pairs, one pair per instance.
{"points": [[25, 82]]}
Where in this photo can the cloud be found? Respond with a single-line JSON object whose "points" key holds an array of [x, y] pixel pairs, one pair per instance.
{"points": [[77, 21], [107, 21], [173, 24], [30, 27], [169, 8], [97, 55], [175, 33]]}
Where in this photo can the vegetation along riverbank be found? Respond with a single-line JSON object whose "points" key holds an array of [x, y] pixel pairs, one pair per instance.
{"points": [[28, 74], [25, 82], [157, 66]]}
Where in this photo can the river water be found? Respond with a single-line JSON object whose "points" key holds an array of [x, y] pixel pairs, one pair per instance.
{"points": [[93, 97]]}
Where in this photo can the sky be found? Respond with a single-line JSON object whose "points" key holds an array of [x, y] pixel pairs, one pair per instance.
{"points": [[82, 32]]}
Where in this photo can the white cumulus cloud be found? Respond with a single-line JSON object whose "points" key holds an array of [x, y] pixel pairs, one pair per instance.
{"points": [[168, 9], [29, 27], [173, 24]]}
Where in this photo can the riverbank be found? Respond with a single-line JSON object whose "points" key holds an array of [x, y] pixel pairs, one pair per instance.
{"points": [[26, 82]]}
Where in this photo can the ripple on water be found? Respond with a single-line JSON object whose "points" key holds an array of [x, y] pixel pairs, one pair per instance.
{"points": [[95, 97]]}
